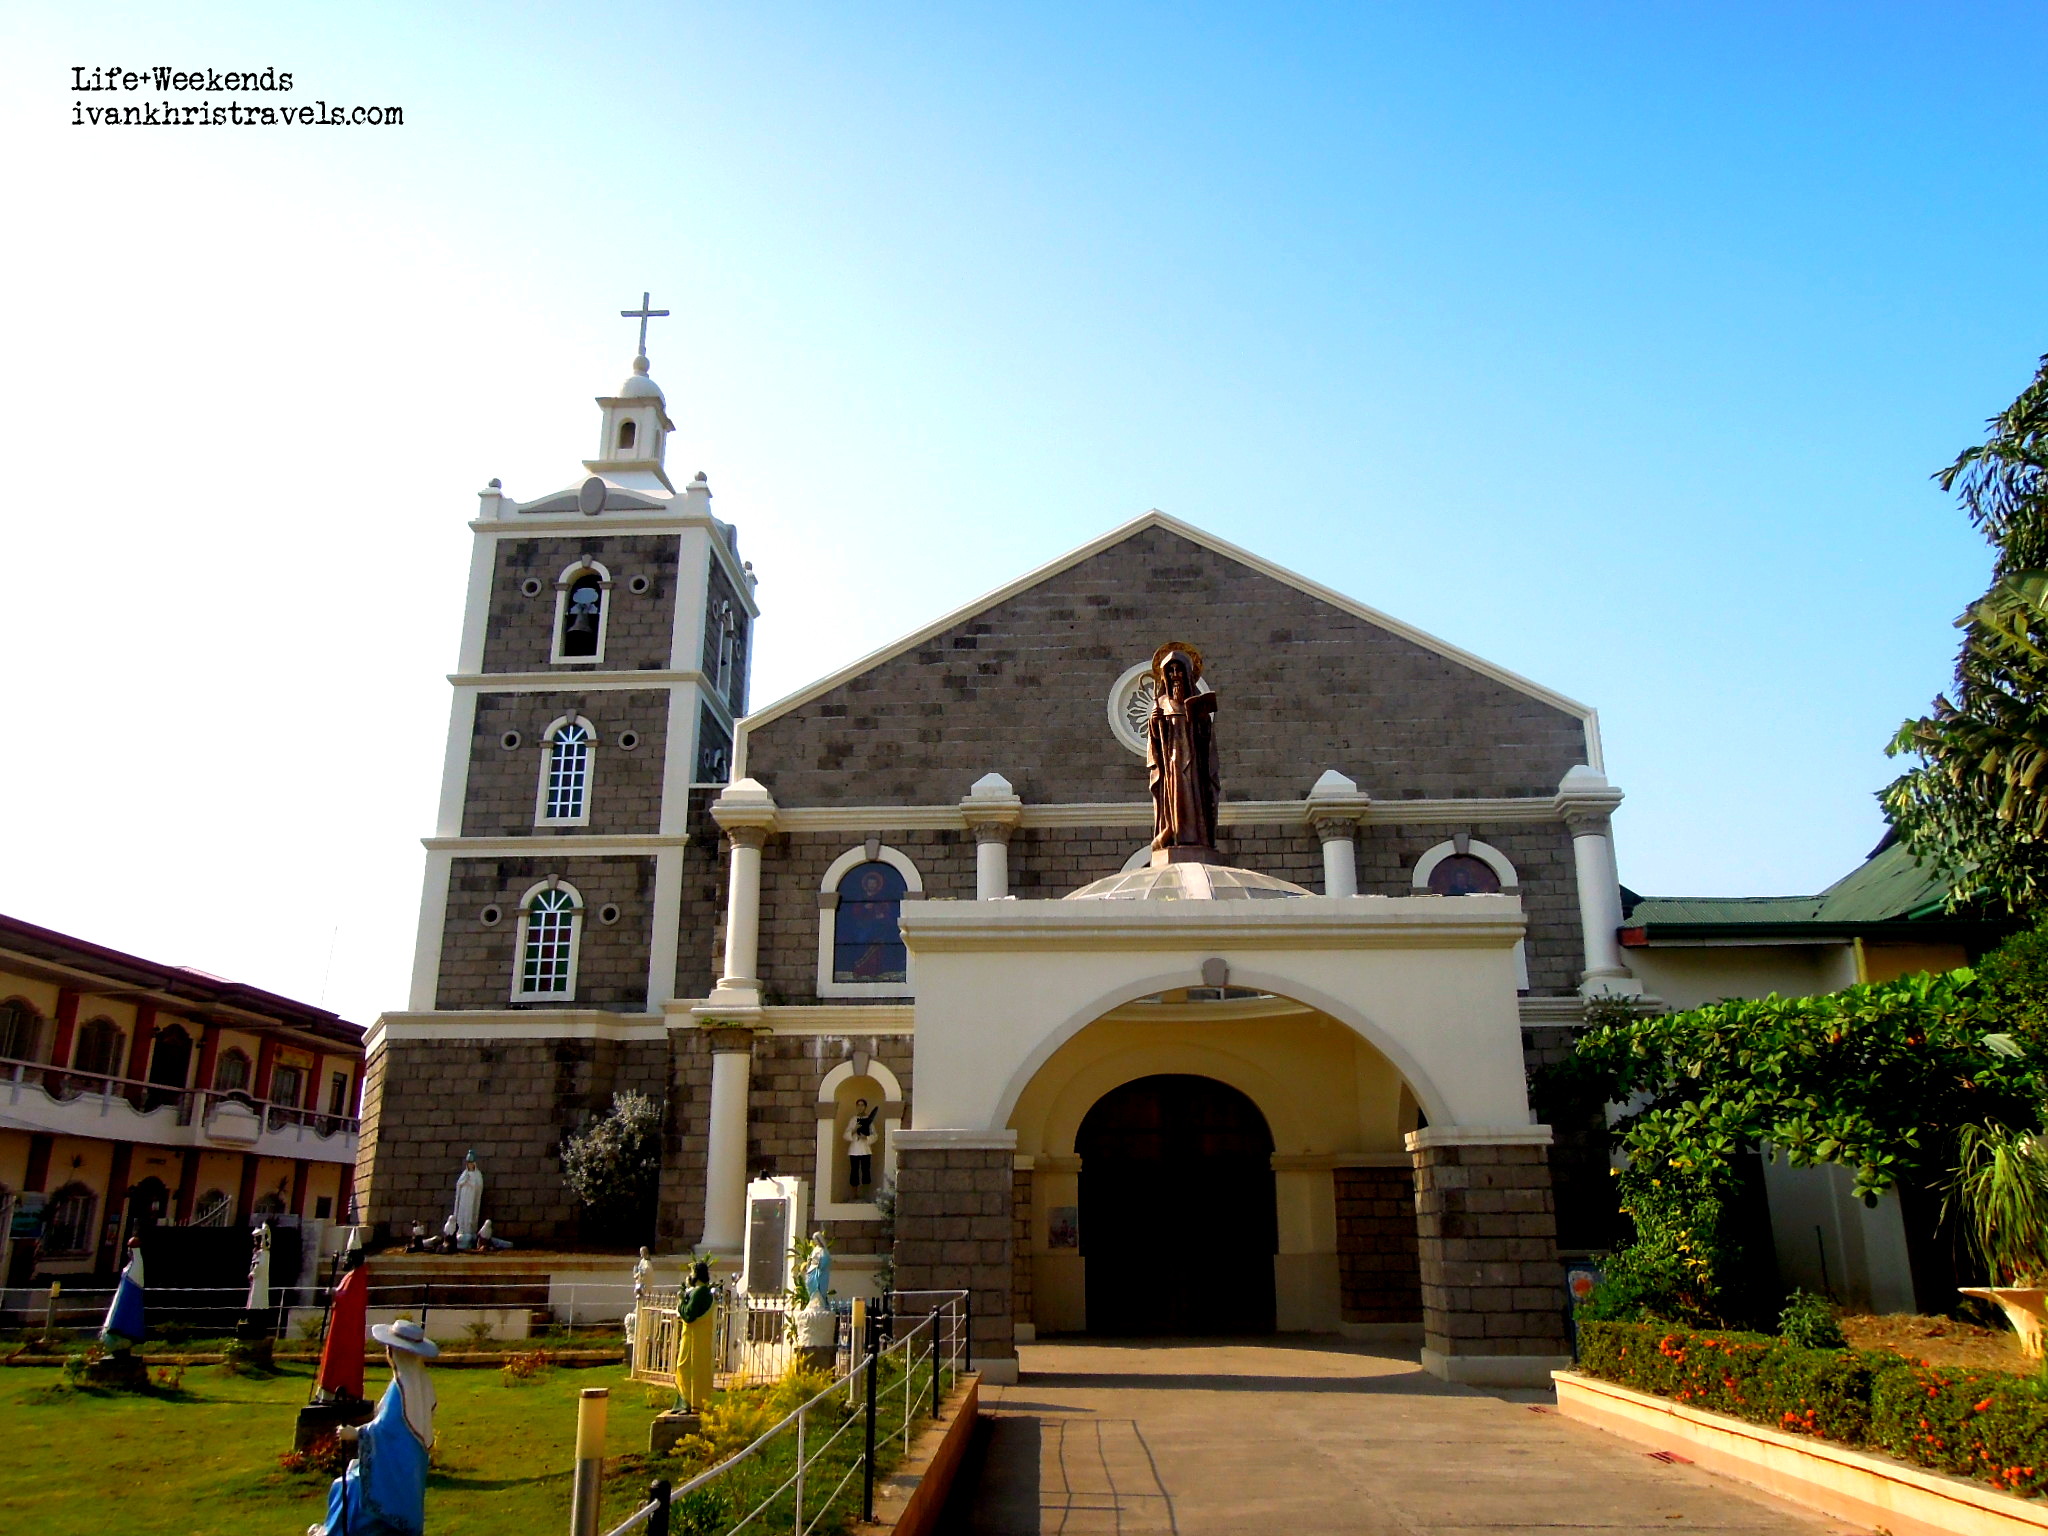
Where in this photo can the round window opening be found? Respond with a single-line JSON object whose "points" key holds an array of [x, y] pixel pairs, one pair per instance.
{"points": [[491, 916], [530, 586], [638, 584], [1130, 706], [608, 913], [509, 741], [628, 740]]}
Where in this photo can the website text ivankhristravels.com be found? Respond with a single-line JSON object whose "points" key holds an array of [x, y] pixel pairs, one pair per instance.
{"points": [[99, 91]]}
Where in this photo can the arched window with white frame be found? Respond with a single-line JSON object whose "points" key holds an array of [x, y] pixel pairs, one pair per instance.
{"points": [[567, 764], [860, 939], [582, 612], [544, 965], [1464, 866]]}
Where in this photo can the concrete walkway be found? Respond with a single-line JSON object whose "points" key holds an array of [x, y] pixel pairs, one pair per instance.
{"points": [[1294, 1439]]}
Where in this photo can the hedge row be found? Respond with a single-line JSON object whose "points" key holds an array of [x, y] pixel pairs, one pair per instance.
{"points": [[1986, 1424]]}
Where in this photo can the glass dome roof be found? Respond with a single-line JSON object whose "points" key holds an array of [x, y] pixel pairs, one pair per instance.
{"points": [[1188, 882]]}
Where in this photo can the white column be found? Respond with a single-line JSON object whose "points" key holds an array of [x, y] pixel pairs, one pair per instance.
{"points": [[1599, 895], [1584, 802], [725, 1166], [743, 910], [991, 861], [1340, 854], [1334, 809], [991, 810]]}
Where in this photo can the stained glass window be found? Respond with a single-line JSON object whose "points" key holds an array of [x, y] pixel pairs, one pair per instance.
{"points": [[1464, 874], [550, 943], [568, 773], [867, 940]]}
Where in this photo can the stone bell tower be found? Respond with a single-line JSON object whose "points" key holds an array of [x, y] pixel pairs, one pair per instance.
{"points": [[604, 658]]}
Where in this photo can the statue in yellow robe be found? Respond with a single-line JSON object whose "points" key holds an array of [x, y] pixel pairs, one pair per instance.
{"points": [[694, 1365]]}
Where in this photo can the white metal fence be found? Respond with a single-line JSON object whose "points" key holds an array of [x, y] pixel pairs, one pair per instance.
{"points": [[803, 1471]]}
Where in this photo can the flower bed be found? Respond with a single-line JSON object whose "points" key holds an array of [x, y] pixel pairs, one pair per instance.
{"points": [[1984, 1424]]}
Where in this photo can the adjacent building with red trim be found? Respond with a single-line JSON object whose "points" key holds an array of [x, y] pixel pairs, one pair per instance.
{"points": [[134, 1093]]}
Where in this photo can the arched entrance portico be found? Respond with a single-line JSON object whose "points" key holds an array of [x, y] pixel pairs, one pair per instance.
{"points": [[1174, 1167], [1343, 1016]]}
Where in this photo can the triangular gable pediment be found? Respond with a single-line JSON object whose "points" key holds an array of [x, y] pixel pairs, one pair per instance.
{"points": [[1194, 535]]}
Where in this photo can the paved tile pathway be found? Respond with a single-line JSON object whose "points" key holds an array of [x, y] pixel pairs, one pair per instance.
{"points": [[1298, 1439]]}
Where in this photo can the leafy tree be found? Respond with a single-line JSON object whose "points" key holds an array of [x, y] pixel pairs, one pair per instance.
{"points": [[1881, 1079], [613, 1167], [1976, 804]]}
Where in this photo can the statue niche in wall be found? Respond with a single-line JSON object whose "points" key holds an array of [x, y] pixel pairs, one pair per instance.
{"points": [[1180, 759]]}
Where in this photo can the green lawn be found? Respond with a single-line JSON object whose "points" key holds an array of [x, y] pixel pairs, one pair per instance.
{"points": [[203, 1461]]}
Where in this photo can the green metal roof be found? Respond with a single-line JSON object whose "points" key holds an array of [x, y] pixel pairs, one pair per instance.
{"points": [[1887, 888]]}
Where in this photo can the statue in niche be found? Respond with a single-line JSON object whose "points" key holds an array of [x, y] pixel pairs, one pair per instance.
{"points": [[1180, 759], [860, 1143]]}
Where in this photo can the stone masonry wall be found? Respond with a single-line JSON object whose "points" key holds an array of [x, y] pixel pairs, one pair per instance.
{"points": [[1023, 1284], [1379, 1273], [505, 783], [611, 965], [1049, 862], [953, 1232], [521, 632], [719, 591], [1487, 1234], [1022, 688], [426, 1103], [782, 1120]]}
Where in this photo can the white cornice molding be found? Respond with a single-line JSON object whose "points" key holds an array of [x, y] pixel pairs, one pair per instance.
{"points": [[530, 682], [807, 1018], [941, 1140], [567, 844], [1302, 922], [1138, 813], [1478, 1136], [1157, 519], [1552, 1011], [531, 524], [511, 1024]]}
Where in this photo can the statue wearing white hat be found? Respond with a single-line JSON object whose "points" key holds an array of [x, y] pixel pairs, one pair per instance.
{"points": [[384, 1491]]}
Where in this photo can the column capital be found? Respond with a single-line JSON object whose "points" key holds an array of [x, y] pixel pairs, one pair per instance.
{"points": [[725, 1037], [747, 835], [991, 808], [1335, 806], [1585, 800], [745, 805]]}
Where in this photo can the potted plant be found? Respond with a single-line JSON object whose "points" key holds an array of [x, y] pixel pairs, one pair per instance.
{"points": [[1999, 1194]]}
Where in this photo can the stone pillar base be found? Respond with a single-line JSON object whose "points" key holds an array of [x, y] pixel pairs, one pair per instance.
{"points": [[954, 1199], [1493, 1296], [1494, 1370]]}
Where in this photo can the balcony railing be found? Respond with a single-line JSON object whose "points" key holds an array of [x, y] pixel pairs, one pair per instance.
{"points": [[215, 1115]]}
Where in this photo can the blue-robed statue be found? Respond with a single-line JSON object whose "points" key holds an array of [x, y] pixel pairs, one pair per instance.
{"points": [[384, 1491]]}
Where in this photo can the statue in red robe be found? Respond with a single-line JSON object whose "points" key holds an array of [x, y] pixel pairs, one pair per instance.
{"points": [[341, 1357]]}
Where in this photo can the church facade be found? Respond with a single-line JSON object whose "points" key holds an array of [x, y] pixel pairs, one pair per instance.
{"points": [[910, 915]]}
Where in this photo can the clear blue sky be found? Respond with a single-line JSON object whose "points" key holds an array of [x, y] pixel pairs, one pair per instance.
{"points": [[1615, 343]]}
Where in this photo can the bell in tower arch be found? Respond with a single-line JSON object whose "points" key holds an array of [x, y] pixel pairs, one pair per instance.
{"points": [[580, 619]]}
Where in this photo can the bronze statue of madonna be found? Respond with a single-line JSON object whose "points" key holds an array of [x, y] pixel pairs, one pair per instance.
{"points": [[1180, 759]]}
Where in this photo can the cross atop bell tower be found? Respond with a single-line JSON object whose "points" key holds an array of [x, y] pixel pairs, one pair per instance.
{"points": [[633, 434], [643, 314]]}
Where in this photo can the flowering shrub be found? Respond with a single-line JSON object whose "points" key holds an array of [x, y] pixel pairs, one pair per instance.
{"points": [[327, 1456], [1985, 1424], [521, 1370]]}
